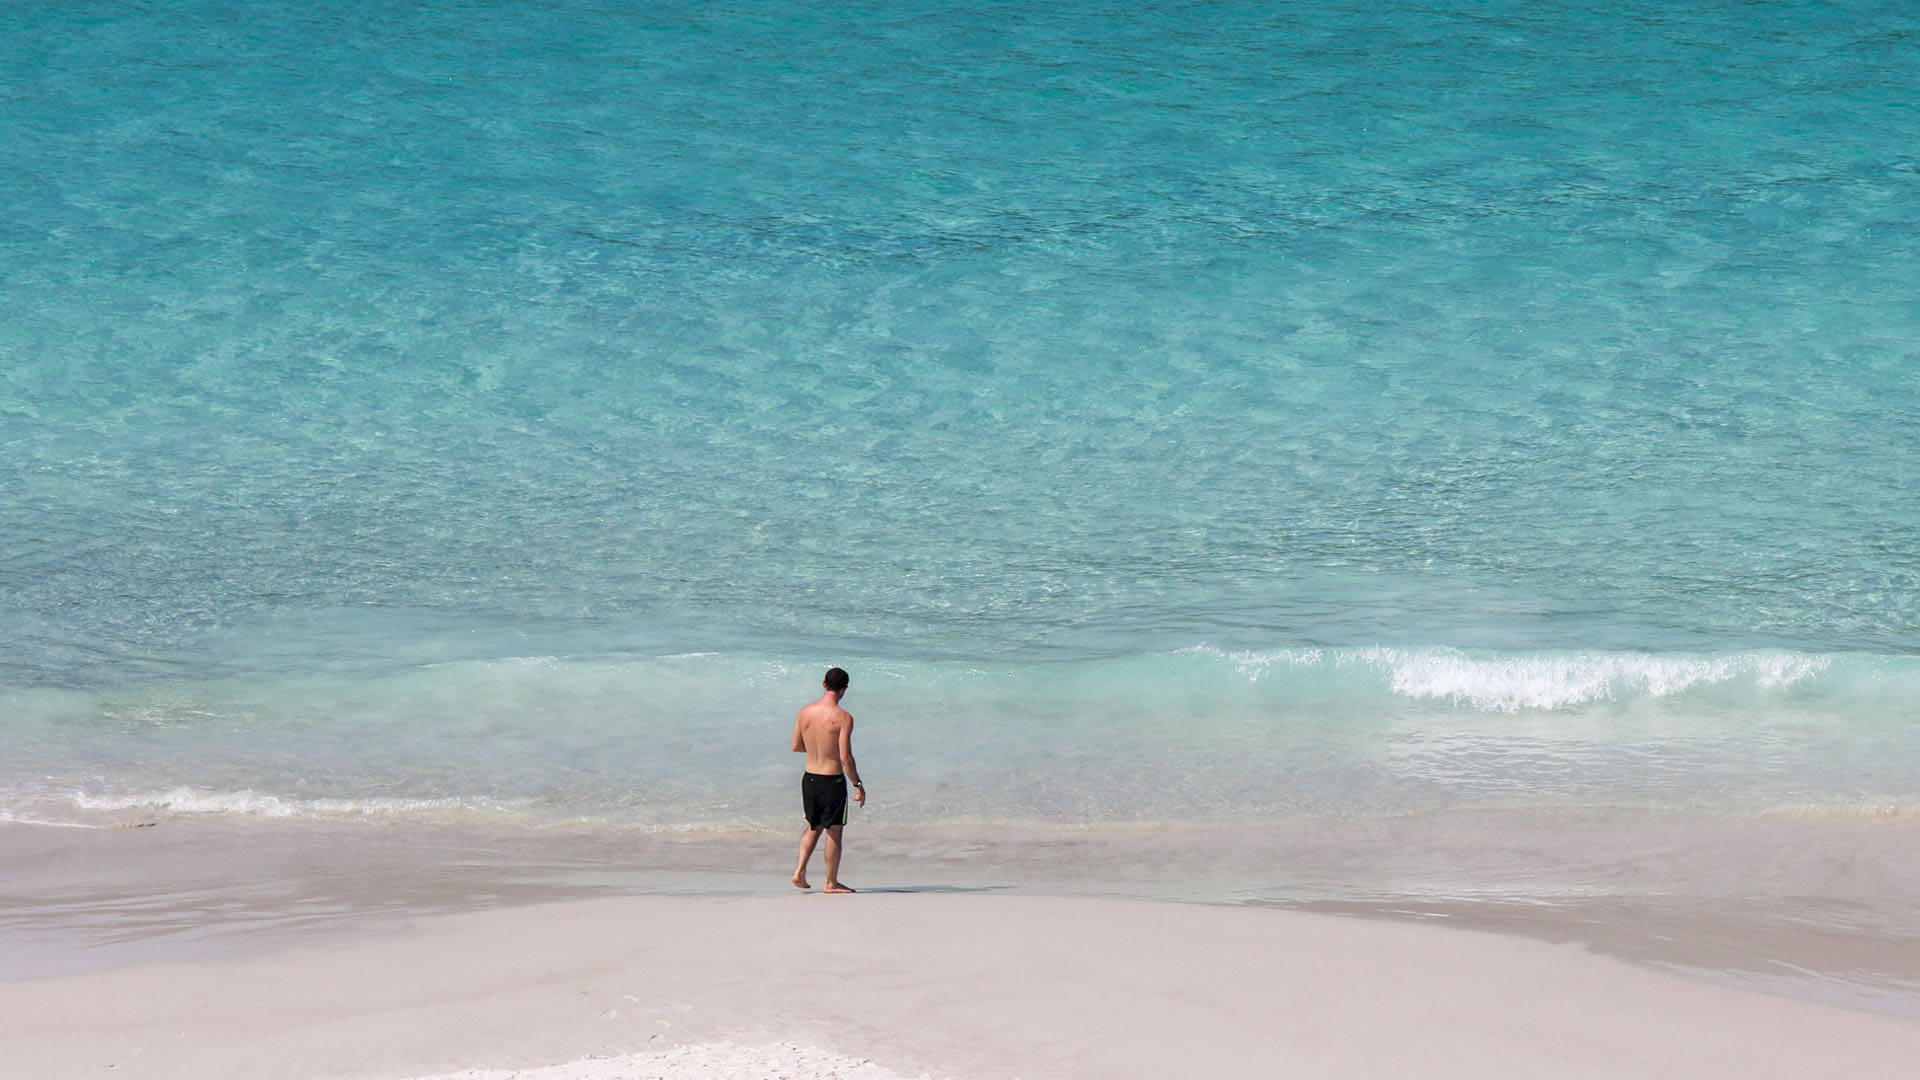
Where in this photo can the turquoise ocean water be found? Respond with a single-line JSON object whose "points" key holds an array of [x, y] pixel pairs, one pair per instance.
{"points": [[1170, 413]]}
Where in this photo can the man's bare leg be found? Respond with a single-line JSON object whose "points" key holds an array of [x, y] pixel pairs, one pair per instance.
{"points": [[833, 861], [807, 840]]}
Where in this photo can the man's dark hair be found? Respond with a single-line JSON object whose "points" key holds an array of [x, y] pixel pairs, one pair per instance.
{"points": [[836, 680]]}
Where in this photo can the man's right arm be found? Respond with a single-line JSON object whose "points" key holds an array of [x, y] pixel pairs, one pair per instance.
{"points": [[799, 743]]}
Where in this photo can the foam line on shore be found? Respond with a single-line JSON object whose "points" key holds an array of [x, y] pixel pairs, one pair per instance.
{"points": [[701, 1061]]}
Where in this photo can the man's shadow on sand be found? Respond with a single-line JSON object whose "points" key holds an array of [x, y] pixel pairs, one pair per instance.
{"points": [[932, 888]]}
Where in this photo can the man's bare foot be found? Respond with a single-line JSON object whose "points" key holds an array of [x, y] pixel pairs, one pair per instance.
{"points": [[834, 886], [800, 881]]}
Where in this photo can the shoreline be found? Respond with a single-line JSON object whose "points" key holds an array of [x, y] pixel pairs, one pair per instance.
{"points": [[935, 984]]}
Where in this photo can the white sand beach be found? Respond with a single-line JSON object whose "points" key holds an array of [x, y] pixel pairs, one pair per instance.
{"points": [[928, 984]]}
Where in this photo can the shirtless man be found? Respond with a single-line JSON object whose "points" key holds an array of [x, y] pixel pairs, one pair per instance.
{"points": [[824, 732]]}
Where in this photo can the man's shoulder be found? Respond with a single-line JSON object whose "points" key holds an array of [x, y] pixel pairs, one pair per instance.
{"points": [[824, 713]]}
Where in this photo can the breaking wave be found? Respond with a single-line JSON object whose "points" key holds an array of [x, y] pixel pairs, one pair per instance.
{"points": [[1512, 682]]}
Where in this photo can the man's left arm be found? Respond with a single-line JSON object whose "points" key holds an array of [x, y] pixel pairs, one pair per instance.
{"points": [[846, 762]]}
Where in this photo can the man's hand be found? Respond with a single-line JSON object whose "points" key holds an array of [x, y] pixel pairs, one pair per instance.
{"points": [[860, 794]]}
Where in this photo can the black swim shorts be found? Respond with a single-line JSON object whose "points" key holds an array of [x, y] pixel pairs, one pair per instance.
{"points": [[824, 798]]}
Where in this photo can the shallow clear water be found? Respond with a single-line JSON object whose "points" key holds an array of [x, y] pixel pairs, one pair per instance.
{"points": [[1171, 414]]}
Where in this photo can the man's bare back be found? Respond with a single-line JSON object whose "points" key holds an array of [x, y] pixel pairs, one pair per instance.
{"points": [[818, 730], [824, 732]]}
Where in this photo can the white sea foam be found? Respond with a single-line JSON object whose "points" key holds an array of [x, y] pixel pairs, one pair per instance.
{"points": [[249, 803], [15, 818], [1895, 812], [719, 1061], [113, 810], [1509, 683], [1257, 665]]}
